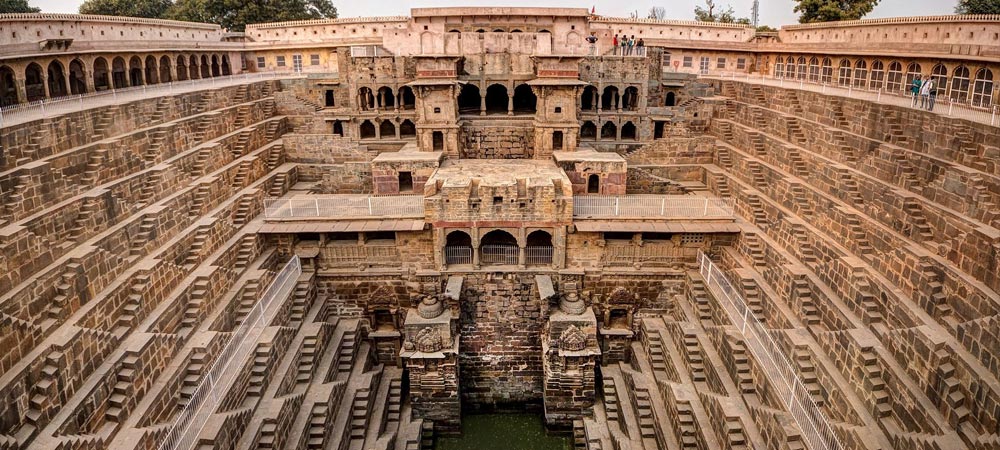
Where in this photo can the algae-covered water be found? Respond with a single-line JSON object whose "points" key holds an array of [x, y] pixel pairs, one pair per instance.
{"points": [[503, 432]]}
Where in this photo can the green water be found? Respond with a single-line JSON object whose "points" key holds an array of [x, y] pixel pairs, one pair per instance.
{"points": [[503, 432]]}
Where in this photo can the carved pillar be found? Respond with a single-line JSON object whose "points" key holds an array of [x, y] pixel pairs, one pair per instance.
{"points": [[510, 105], [397, 128], [570, 350], [430, 354], [597, 102], [482, 105]]}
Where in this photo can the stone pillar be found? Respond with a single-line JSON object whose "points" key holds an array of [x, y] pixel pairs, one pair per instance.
{"points": [[482, 105], [430, 354], [597, 103], [570, 351], [378, 130], [88, 80], [618, 101], [45, 83], [510, 105], [397, 127], [395, 104], [381, 101], [618, 132], [22, 93], [475, 248]]}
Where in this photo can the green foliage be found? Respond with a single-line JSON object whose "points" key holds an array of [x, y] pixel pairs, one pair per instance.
{"points": [[17, 6], [832, 10], [723, 15], [131, 8], [978, 7], [235, 14], [766, 29]]}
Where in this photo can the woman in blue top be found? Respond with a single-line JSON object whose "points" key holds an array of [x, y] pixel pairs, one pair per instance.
{"points": [[915, 89]]}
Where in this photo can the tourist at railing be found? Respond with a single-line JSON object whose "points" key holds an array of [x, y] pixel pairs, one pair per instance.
{"points": [[640, 48], [925, 92], [592, 40], [915, 89], [614, 45], [931, 97]]}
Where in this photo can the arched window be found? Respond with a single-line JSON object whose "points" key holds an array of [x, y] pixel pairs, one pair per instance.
{"points": [[609, 130], [102, 79], [912, 73], [119, 73], [367, 130], [386, 99], [538, 250], [940, 75], [588, 100], [827, 71], [77, 77], [894, 78], [610, 100], [8, 87], [860, 73], [216, 70], [135, 71], [182, 68], [496, 99], [814, 69], [34, 86], [779, 68], [671, 99], [802, 68], [338, 128], [878, 75], [193, 71], [366, 98], [152, 73], [498, 247], [630, 100], [458, 248], [844, 75], [226, 68], [588, 130], [206, 68], [790, 68], [387, 130], [407, 129], [165, 70], [57, 80], [960, 84], [406, 98], [469, 99], [594, 184], [982, 89], [524, 99], [628, 131]]}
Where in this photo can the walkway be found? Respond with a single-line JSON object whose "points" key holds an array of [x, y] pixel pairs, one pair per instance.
{"points": [[943, 106], [27, 112]]}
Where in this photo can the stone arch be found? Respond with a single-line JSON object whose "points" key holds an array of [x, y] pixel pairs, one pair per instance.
{"points": [[427, 42], [630, 99], [960, 84], [77, 77], [594, 184], [152, 72], [386, 99], [34, 83], [610, 98], [458, 247], [671, 99], [206, 69], [135, 71], [469, 98], [216, 70], [628, 131], [588, 100], [790, 67], [407, 129], [227, 69], [182, 68], [588, 130], [894, 77], [982, 88], [366, 130], [406, 98], [814, 69], [56, 79], [387, 129], [8, 86], [802, 67], [877, 75], [913, 70], [458, 238], [609, 130], [498, 247], [844, 74], [860, 73], [940, 75], [165, 76], [496, 98], [827, 72], [366, 98], [101, 74], [193, 72], [525, 100], [538, 248]]}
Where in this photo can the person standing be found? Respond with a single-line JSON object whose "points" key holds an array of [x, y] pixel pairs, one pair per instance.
{"points": [[931, 96], [614, 45], [642, 47], [915, 90], [925, 92], [631, 44], [624, 43], [592, 40]]}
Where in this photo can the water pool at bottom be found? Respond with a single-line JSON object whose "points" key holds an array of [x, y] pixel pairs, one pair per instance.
{"points": [[503, 432]]}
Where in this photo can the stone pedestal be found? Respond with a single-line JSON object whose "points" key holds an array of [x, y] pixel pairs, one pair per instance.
{"points": [[570, 352], [430, 355]]}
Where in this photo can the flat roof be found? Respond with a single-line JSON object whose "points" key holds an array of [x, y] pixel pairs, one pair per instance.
{"points": [[588, 155], [498, 11], [404, 156], [494, 172]]}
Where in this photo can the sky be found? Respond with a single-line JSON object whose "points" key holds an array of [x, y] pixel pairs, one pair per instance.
{"points": [[772, 12]]}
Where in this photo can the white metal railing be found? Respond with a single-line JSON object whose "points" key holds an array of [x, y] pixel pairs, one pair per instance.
{"points": [[211, 390], [983, 111], [344, 206], [365, 51], [652, 206], [499, 254], [816, 429], [538, 255], [25, 112], [457, 255]]}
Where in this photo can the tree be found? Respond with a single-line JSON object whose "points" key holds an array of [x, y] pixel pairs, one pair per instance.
{"points": [[766, 29], [832, 10], [17, 6], [978, 7], [657, 12], [235, 14], [131, 8], [709, 14]]}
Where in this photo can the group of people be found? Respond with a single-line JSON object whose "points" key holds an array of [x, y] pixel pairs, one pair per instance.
{"points": [[628, 45], [924, 89]]}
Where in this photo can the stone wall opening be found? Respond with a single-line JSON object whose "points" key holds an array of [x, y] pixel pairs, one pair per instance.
{"points": [[524, 100], [8, 87], [469, 99], [57, 80], [588, 130], [77, 85], [33, 84], [588, 100], [496, 99], [366, 130], [557, 140]]}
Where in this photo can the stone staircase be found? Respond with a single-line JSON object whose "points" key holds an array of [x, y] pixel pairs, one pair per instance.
{"points": [[692, 353], [757, 210], [94, 163], [122, 394]]}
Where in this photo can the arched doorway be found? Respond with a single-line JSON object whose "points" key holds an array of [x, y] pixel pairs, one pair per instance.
{"points": [[57, 80], [588, 130], [77, 78], [538, 250], [496, 99], [609, 130], [557, 140], [152, 73], [469, 99], [135, 71], [588, 100], [119, 73], [34, 87], [8, 87], [524, 99], [102, 81], [498, 247], [193, 72], [386, 99], [216, 70], [366, 99], [182, 68], [630, 101], [338, 128], [437, 141], [610, 99], [206, 69], [366, 130], [671, 99], [594, 184], [628, 131], [407, 129], [458, 248], [227, 70], [165, 76], [387, 130], [406, 98]]}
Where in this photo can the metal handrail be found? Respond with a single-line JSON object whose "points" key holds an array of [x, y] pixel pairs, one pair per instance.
{"points": [[344, 206], [652, 206], [816, 429], [211, 389]]}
